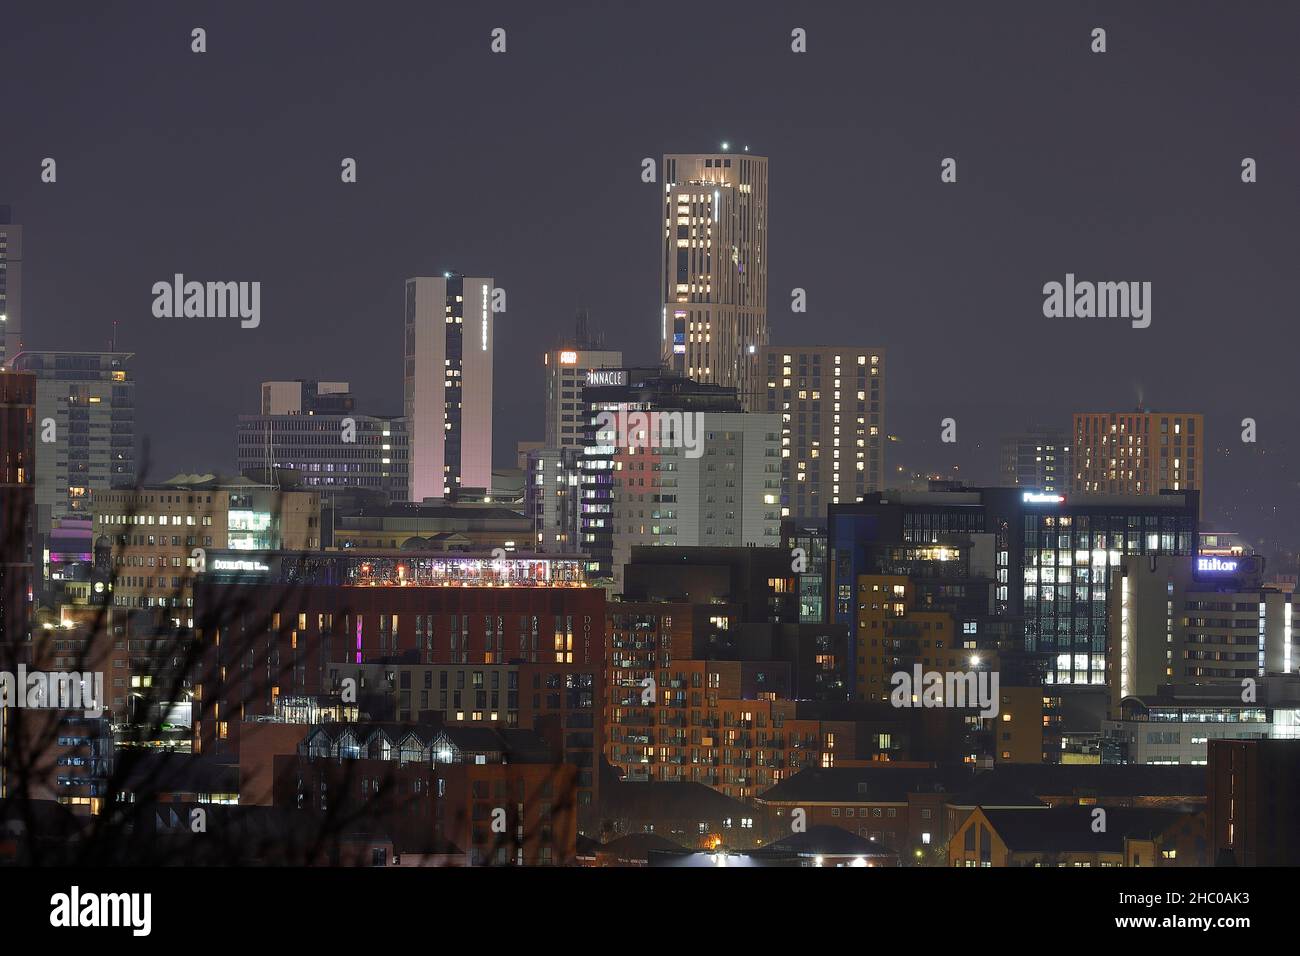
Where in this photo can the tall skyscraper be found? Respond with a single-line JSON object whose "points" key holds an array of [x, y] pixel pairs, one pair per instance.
{"points": [[85, 426], [714, 266], [832, 407], [1138, 452], [566, 374], [448, 384], [1037, 458], [11, 288]]}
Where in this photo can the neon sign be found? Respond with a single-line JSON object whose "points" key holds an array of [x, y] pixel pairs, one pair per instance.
{"points": [[1216, 566], [223, 565], [597, 377], [1039, 498]]}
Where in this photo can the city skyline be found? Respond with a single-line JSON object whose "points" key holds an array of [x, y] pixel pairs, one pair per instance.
{"points": [[940, 275], [588, 435]]}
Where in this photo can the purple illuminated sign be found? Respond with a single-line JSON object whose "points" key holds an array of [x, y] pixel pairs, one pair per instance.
{"points": [[1217, 565]]}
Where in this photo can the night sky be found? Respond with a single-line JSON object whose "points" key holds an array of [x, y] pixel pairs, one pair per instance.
{"points": [[525, 166]]}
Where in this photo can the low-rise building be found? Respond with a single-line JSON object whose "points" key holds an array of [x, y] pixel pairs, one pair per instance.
{"points": [[1078, 837], [158, 537], [1176, 725]]}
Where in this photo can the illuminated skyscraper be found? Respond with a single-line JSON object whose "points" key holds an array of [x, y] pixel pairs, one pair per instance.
{"points": [[714, 266], [448, 384], [832, 407]]}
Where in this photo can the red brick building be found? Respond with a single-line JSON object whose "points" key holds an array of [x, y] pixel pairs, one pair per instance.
{"points": [[471, 796], [262, 642]]}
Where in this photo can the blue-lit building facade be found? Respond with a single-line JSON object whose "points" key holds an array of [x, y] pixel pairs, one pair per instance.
{"points": [[1052, 557]]}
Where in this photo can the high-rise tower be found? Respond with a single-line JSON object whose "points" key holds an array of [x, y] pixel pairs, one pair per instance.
{"points": [[714, 265], [448, 384]]}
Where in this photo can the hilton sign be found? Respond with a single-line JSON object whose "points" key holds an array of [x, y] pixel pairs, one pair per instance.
{"points": [[1242, 568], [1217, 565]]}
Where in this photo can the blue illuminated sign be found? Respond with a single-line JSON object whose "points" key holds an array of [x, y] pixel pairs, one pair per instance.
{"points": [[1216, 566]]}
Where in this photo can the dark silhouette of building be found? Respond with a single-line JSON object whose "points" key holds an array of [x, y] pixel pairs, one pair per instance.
{"points": [[1251, 802], [17, 507]]}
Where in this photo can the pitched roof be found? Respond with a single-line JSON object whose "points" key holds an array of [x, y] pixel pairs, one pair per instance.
{"points": [[524, 746], [993, 789], [828, 841], [882, 784], [637, 846], [1086, 780], [1070, 829], [664, 800], [1007, 785]]}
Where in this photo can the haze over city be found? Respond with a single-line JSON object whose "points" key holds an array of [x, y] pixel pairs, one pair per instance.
{"points": [[1123, 166], [694, 435]]}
